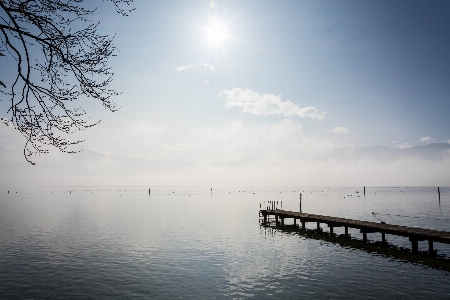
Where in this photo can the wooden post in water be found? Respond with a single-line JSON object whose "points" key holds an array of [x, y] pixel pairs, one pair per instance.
{"points": [[439, 193], [364, 190], [149, 191], [430, 247], [414, 245], [300, 202]]}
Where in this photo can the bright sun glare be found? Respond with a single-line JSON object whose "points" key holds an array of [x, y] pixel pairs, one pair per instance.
{"points": [[216, 33]]}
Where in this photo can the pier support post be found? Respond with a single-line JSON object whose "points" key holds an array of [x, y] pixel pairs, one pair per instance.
{"points": [[414, 245], [346, 231], [295, 222], [318, 226], [430, 247], [365, 237], [282, 221], [331, 230], [276, 219], [265, 218], [303, 225], [383, 238]]}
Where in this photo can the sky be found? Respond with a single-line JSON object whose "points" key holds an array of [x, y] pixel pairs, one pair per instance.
{"points": [[263, 93]]}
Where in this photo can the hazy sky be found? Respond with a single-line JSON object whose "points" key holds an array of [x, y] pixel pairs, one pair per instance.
{"points": [[264, 93]]}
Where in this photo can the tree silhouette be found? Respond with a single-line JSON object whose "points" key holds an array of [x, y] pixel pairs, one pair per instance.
{"points": [[53, 56]]}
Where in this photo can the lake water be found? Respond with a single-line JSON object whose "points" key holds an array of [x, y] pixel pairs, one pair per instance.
{"points": [[189, 243]]}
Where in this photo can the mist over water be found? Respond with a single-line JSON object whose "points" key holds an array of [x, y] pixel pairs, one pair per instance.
{"points": [[91, 242]]}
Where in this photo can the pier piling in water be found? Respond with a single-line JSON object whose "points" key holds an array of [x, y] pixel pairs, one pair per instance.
{"points": [[364, 237]]}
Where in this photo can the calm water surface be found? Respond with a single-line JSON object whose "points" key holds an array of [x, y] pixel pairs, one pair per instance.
{"points": [[190, 244]]}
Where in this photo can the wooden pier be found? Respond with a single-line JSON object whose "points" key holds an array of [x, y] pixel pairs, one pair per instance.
{"points": [[414, 234]]}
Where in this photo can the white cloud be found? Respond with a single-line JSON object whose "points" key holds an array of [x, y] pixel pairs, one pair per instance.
{"points": [[209, 67], [448, 141], [266, 104], [236, 141], [205, 82], [182, 151], [327, 145], [191, 67], [101, 152], [340, 130], [183, 68], [405, 146], [426, 139]]}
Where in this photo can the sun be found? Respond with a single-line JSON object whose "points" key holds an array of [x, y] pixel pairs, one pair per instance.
{"points": [[216, 33]]}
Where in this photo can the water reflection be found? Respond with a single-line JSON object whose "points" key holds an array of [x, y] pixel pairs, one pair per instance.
{"points": [[441, 262]]}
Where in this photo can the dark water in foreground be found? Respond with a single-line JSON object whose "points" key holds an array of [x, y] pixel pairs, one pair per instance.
{"points": [[185, 243]]}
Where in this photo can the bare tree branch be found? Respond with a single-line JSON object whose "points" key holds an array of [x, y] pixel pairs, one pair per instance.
{"points": [[59, 57]]}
